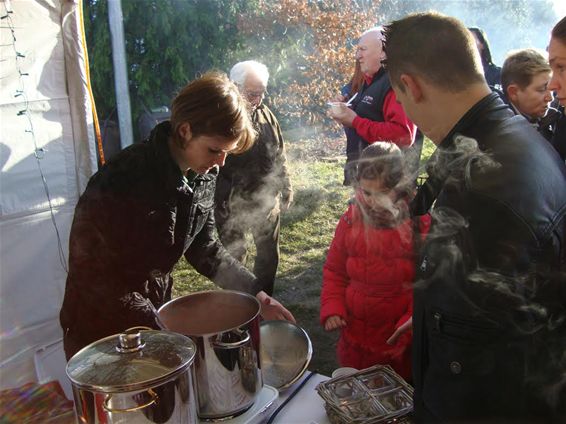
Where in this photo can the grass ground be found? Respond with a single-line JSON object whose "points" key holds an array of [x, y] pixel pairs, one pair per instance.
{"points": [[306, 232]]}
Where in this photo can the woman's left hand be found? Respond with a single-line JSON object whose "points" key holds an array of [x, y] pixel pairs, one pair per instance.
{"points": [[272, 309]]}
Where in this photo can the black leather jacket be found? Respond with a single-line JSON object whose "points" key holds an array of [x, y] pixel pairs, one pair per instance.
{"points": [[490, 302], [136, 218]]}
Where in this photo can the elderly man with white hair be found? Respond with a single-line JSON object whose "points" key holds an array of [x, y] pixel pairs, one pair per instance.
{"points": [[252, 188], [374, 114]]}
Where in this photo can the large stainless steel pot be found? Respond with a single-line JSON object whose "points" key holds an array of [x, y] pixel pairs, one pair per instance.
{"points": [[225, 327], [135, 377]]}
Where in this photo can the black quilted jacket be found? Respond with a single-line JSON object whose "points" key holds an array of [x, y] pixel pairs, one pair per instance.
{"points": [[136, 218]]}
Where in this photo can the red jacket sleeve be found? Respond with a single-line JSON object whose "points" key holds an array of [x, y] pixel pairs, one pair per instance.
{"points": [[397, 128], [334, 275]]}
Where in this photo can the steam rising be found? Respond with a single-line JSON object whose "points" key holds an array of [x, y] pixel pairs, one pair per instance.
{"points": [[526, 305]]}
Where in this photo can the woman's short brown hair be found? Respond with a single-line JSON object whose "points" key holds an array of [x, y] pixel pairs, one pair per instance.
{"points": [[213, 106]]}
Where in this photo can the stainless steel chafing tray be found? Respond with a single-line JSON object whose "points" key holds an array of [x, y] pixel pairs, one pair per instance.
{"points": [[374, 395]]}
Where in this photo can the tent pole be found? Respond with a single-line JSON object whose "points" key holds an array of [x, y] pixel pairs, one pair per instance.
{"points": [[115, 20]]}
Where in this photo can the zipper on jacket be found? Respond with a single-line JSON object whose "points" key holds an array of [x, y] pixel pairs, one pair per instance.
{"points": [[437, 317]]}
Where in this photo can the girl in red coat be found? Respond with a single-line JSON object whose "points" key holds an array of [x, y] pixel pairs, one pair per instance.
{"points": [[369, 270]]}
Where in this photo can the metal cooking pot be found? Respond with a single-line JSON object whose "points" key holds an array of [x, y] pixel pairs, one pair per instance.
{"points": [[135, 377], [225, 327]]}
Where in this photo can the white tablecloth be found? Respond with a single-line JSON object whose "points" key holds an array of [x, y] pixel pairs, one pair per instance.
{"points": [[306, 407]]}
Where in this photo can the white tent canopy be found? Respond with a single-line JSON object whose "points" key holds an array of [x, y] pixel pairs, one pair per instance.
{"points": [[47, 154]]}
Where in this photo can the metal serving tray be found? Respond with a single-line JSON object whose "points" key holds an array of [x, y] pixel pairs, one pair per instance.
{"points": [[371, 396]]}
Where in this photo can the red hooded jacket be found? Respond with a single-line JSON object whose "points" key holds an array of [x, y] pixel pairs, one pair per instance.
{"points": [[367, 280]]}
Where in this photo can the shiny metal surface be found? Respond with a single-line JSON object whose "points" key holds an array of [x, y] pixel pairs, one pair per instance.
{"points": [[225, 327], [286, 351], [137, 377], [159, 356], [375, 395]]}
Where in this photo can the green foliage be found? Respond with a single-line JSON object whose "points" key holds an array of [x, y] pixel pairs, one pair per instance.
{"points": [[306, 44], [168, 43]]}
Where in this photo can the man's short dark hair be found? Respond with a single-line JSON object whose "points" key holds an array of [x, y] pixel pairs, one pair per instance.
{"points": [[436, 47], [559, 30]]}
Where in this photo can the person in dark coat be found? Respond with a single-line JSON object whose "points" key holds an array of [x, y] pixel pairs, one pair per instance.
{"points": [[491, 71], [253, 188], [374, 115], [489, 320], [557, 60], [148, 207]]}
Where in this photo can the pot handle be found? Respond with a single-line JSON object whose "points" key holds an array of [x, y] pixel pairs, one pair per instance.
{"points": [[224, 345], [108, 408]]}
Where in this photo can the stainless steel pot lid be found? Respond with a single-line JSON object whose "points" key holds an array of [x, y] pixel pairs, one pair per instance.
{"points": [[286, 351], [134, 360]]}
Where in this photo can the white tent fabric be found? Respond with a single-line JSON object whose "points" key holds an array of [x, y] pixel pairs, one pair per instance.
{"points": [[47, 154]]}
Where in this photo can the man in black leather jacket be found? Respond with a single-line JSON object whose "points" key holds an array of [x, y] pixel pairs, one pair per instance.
{"points": [[147, 207], [557, 60], [490, 303]]}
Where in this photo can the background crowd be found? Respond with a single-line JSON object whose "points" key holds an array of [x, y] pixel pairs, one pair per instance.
{"points": [[459, 284]]}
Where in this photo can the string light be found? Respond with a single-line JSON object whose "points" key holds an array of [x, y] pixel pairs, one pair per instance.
{"points": [[39, 152]]}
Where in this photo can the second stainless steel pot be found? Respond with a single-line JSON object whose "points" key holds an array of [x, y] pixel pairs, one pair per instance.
{"points": [[137, 377], [225, 327]]}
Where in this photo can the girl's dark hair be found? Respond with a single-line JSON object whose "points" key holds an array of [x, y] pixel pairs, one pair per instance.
{"points": [[382, 160], [213, 106]]}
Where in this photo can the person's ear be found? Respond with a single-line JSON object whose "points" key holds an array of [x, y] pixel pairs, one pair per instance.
{"points": [[512, 92], [185, 132], [383, 55], [412, 86]]}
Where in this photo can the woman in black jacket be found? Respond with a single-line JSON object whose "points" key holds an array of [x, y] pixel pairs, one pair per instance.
{"points": [[147, 207]]}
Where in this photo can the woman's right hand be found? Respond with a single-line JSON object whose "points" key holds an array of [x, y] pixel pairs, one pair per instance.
{"points": [[334, 322], [272, 309]]}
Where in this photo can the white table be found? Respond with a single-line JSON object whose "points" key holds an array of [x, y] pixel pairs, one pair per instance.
{"points": [[306, 407]]}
